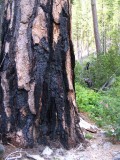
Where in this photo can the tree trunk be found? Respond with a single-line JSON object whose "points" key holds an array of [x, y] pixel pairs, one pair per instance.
{"points": [[78, 46], [37, 98], [95, 26]]}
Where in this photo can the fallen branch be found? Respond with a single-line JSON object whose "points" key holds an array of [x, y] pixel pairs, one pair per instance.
{"points": [[87, 126], [12, 156]]}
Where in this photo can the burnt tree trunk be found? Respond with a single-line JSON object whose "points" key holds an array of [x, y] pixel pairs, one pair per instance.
{"points": [[37, 98]]}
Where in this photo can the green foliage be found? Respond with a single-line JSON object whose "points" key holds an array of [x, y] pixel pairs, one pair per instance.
{"points": [[88, 136], [86, 99], [103, 107], [78, 70], [112, 96], [103, 68], [108, 23]]}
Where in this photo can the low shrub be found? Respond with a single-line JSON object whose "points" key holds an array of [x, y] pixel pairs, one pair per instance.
{"points": [[101, 69], [86, 98], [103, 107]]}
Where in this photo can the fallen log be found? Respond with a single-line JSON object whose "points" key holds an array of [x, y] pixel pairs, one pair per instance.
{"points": [[87, 126]]}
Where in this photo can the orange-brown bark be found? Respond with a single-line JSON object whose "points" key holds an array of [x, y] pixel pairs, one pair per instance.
{"points": [[37, 100]]}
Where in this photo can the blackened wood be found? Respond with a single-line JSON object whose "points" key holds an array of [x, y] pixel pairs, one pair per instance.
{"points": [[37, 101]]}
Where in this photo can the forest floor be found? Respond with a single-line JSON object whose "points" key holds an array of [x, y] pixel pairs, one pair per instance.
{"points": [[100, 148]]}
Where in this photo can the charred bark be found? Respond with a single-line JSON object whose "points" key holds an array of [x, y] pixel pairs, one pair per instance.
{"points": [[37, 98]]}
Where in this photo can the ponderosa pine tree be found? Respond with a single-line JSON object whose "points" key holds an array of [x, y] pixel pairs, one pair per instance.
{"points": [[37, 97]]}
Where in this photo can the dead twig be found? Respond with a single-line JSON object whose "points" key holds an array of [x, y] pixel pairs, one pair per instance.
{"points": [[12, 156]]}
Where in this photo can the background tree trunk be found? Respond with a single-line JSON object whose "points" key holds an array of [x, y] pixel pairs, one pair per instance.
{"points": [[95, 26], [37, 98]]}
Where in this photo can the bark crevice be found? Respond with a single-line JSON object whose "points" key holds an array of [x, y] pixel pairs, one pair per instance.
{"points": [[36, 82]]}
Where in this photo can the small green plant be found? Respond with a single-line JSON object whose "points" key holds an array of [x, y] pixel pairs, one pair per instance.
{"points": [[86, 99], [88, 136]]}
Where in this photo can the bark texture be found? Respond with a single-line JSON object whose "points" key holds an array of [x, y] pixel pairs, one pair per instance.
{"points": [[37, 98], [95, 26]]}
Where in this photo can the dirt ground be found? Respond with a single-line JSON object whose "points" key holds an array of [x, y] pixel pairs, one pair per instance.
{"points": [[99, 148]]}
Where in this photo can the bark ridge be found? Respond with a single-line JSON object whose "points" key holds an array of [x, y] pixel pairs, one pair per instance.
{"points": [[37, 98]]}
